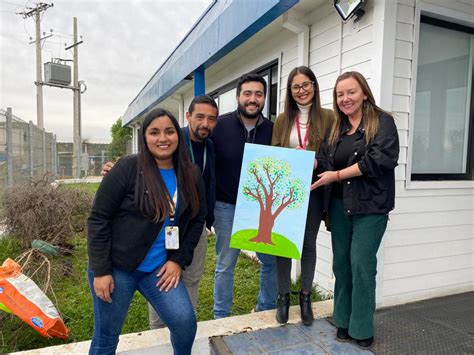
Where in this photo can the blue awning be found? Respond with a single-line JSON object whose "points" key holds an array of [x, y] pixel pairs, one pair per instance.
{"points": [[224, 26]]}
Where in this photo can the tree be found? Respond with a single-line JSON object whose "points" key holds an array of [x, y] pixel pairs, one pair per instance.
{"points": [[270, 184], [120, 136]]}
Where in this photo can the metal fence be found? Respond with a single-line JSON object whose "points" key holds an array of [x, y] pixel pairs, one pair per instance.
{"points": [[93, 156], [26, 151]]}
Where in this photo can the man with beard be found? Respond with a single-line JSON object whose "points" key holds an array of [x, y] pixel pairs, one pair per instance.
{"points": [[233, 130]]}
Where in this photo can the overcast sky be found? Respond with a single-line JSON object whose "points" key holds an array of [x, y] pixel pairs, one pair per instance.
{"points": [[124, 44]]}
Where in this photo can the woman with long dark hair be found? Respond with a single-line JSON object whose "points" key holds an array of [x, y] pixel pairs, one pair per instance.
{"points": [[303, 125], [359, 160], [146, 220]]}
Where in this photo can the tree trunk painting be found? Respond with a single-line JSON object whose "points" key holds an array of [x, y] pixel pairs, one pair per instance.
{"points": [[265, 227], [269, 184]]}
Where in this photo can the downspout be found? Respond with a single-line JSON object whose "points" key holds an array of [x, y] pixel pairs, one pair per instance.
{"points": [[180, 100], [302, 30]]}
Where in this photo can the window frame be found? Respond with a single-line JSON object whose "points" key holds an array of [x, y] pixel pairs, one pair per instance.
{"points": [[469, 175]]}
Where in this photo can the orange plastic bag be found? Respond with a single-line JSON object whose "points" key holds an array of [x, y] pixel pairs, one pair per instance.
{"points": [[20, 295]]}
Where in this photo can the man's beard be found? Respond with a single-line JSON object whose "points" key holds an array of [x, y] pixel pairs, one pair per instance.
{"points": [[199, 135], [241, 109]]}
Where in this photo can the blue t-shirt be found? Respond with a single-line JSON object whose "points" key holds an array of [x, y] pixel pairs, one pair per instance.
{"points": [[157, 255]]}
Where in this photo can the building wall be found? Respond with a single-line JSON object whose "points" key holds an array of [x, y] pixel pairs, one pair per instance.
{"points": [[268, 45], [429, 245], [334, 48]]}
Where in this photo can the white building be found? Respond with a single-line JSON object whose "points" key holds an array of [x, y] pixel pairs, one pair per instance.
{"points": [[418, 57]]}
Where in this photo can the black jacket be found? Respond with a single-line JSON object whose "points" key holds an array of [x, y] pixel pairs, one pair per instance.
{"points": [[209, 177], [374, 191], [229, 139], [120, 236]]}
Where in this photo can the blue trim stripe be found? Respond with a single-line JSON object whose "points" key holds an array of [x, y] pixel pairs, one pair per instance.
{"points": [[225, 25]]}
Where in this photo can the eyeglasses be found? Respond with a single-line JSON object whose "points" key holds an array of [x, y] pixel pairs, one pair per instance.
{"points": [[305, 86]]}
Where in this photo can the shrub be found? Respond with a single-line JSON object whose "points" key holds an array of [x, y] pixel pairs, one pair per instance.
{"points": [[40, 210]]}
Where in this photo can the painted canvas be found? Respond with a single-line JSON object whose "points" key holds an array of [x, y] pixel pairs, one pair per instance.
{"points": [[272, 202]]}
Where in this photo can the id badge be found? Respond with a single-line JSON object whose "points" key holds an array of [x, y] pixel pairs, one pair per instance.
{"points": [[172, 237]]}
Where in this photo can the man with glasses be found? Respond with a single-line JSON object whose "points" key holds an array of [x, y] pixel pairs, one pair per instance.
{"points": [[233, 130]]}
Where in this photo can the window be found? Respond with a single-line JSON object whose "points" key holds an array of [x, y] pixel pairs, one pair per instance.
{"points": [[226, 96], [227, 102], [443, 127]]}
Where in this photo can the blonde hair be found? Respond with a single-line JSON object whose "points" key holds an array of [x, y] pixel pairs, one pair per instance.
{"points": [[370, 110]]}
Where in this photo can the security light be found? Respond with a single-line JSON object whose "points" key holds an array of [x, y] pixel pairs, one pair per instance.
{"points": [[348, 8]]}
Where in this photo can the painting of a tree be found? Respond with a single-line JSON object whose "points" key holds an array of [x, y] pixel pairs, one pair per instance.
{"points": [[270, 184]]}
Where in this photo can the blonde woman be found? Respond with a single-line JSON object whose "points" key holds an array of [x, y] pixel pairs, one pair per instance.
{"points": [[359, 160]]}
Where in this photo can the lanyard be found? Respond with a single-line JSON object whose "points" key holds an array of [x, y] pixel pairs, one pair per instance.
{"points": [[174, 203], [191, 152], [298, 129]]}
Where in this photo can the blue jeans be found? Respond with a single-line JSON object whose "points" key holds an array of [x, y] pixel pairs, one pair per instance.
{"points": [[226, 261], [174, 308]]}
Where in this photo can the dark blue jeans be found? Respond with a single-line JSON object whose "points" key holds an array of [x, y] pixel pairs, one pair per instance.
{"points": [[174, 308]]}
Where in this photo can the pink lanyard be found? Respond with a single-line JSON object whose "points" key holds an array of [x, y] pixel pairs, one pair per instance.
{"points": [[305, 142]]}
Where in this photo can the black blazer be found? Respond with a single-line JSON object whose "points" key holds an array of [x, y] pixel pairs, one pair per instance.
{"points": [[120, 236], [374, 191]]}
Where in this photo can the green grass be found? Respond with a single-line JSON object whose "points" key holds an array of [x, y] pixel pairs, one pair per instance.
{"points": [[73, 300], [246, 284], [282, 246], [92, 187]]}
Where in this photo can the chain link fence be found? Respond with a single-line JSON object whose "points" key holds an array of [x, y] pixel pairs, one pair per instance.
{"points": [[94, 155], [26, 151]]}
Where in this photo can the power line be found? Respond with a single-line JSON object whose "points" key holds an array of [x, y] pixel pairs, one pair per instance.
{"points": [[35, 11]]}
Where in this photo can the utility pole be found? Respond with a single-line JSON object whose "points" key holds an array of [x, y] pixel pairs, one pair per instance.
{"points": [[36, 14], [75, 87], [77, 91], [77, 149]]}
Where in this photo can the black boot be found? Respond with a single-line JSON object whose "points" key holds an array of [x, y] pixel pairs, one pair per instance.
{"points": [[306, 310], [365, 343], [342, 335], [283, 305]]}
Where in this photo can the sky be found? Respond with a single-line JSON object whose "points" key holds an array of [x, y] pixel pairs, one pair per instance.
{"points": [[125, 42]]}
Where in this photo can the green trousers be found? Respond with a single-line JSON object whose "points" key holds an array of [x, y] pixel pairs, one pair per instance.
{"points": [[355, 241]]}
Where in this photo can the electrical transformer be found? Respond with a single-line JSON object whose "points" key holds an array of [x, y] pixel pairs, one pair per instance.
{"points": [[56, 73]]}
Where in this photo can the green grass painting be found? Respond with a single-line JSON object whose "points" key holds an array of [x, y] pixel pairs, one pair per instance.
{"points": [[281, 246]]}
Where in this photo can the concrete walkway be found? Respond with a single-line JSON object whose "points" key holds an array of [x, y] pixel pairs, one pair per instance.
{"points": [[435, 326], [157, 341]]}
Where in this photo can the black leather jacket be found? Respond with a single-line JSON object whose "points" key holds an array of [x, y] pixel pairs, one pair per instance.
{"points": [[374, 191]]}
